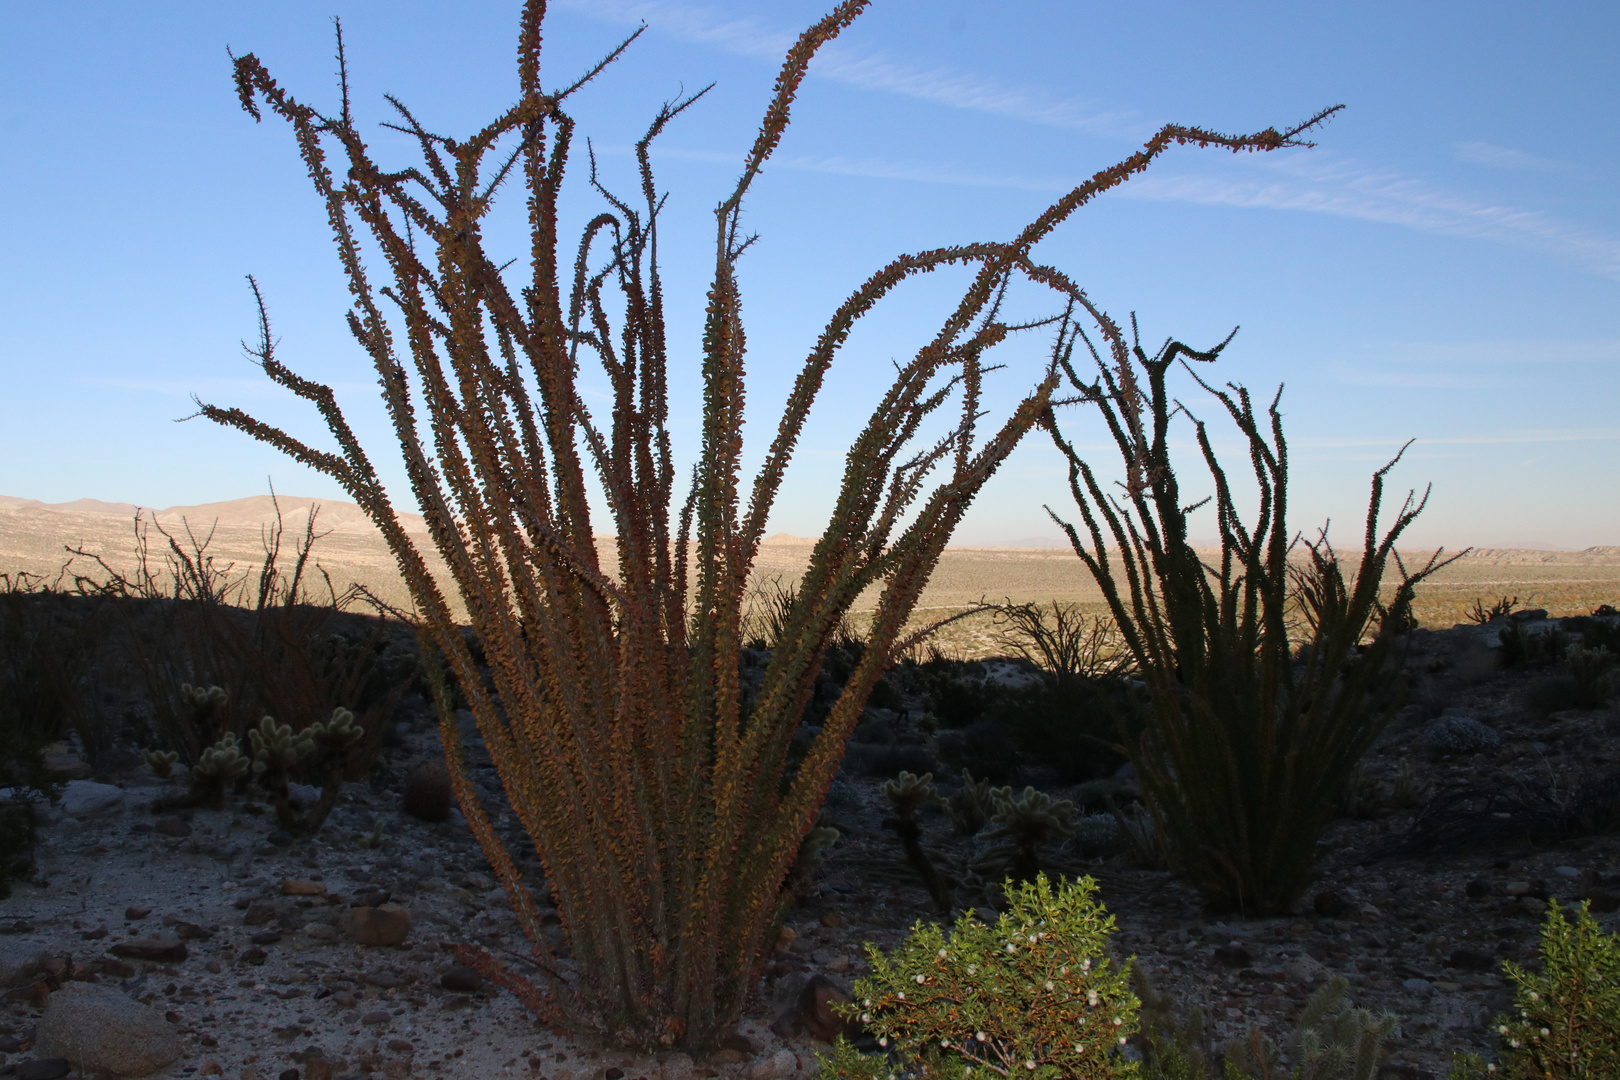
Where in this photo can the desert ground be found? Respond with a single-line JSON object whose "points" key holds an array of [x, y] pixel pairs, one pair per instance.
{"points": [[259, 956]]}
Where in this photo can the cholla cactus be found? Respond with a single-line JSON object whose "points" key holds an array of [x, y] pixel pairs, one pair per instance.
{"points": [[278, 750], [1332, 1042], [1029, 822], [218, 768], [1408, 789], [909, 794], [162, 762], [809, 860], [206, 704], [1036, 994], [205, 701]]}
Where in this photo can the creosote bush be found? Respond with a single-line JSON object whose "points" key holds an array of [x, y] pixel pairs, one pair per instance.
{"points": [[1566, 1021], [613, 707], [1036, 995]]}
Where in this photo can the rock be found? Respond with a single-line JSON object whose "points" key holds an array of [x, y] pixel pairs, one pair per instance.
{"points": [[400, 1046], [86, 798], [1471, 960], [254, 956], [371, 896], [281, 838], [135, 914], [318, 1069], [69, 765], [100, 1029], [172, 826], [677, 1066], [1459, 735], [813, 1014], [113, 763], [375, 1017], [1603, 902], [783, 1063], [157, 950], [43, 1069], [833, 919], [1418, 986], [260, 912], [20, 962], [461, 979], [294, 887], [1233, 956], [1330, 905], [1532, 905], [303, 794], [385, 925], [321, 932], [113, 968], [1517, 888], [1567, 871], [427, 792], [266, 937]]}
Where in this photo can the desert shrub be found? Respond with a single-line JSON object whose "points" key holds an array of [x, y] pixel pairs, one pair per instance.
{"points": [[1550, 693], [1593, 670], [1453, 736], [1069, 725], [1482, 615], [1567, 1025], [1524, 648], [983, 746], [1064, 643], [956, 699], [24, 780], [1595, 633], [1245, 743], [1037, 993], [865, 759]]}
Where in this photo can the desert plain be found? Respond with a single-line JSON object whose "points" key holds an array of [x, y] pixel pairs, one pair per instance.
{"points": [[38, 539]]}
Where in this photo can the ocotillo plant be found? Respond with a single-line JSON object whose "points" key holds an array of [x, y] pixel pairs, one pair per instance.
{"points": [[655, 801], [1245, 747]]}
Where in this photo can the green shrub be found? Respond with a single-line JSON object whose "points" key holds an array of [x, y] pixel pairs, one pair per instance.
{"points": [[1037, 994], [1568, 1023]]}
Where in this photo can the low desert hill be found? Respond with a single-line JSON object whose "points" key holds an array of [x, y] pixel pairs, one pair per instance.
{"points": [[35, 538]]}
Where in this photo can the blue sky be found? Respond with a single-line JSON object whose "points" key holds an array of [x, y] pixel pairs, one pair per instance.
{"points": [[1445, 266]]}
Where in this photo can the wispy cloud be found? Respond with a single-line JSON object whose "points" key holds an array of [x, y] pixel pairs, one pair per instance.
{"points": [[871, 167], [867, 69], [1502, 157], [1321, 184]]}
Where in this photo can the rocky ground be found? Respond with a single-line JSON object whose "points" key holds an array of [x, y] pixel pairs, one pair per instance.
{"points": [[206, 943]]}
